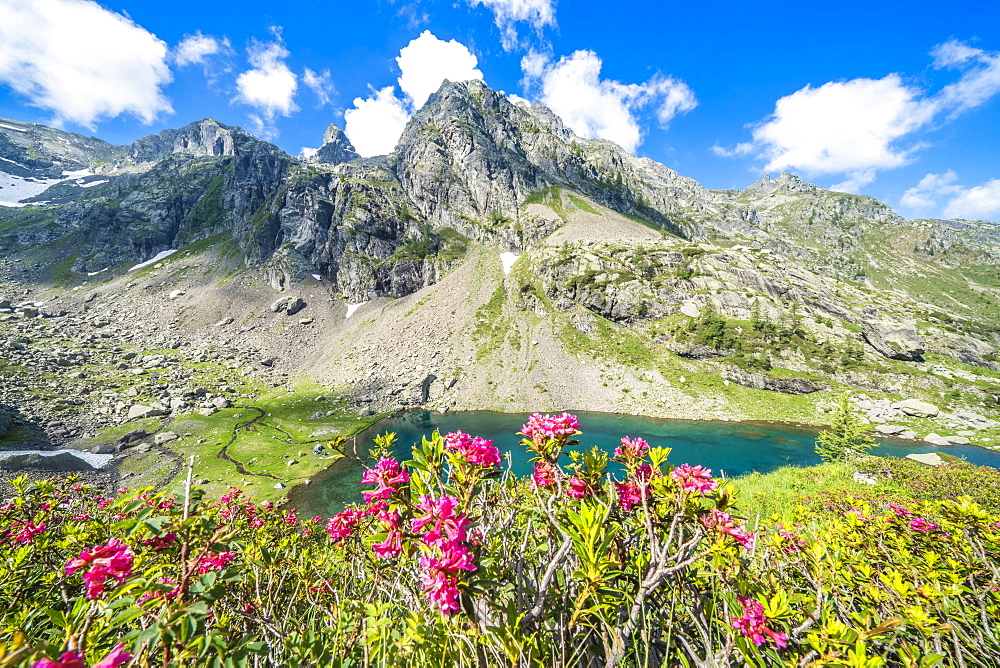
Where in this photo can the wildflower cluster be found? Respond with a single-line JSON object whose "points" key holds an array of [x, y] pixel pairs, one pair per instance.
{"points": [[753, 624], [110, 561], [433, 526], [599, 558], [473, 449], [549, 433]]}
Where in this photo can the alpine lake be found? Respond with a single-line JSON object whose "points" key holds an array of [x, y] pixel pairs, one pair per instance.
{"points": [[730, 449]]}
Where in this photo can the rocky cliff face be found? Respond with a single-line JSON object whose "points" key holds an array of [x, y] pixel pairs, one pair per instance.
{"points": [[204, 138], [471, 156], [471, 167]]}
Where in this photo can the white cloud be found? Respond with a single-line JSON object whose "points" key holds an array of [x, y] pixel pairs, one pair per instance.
{"points": [[533, 65], [675, 97], [953, 53], [195, 49], [269, 86], [596, 107], [859, 127], [81, 61], [843, 128], [375, 123], [508, 13], [743, 148], [922, 196], [427, 61], [979, 83], [517, 99], [980, 202], [321, 84], [416, 19]]}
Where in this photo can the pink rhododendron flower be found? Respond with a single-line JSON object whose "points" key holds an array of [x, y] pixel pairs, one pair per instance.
{"points": [[635, 489], [792, 542], [900, 511], [388, 475], [113, 560], [215, 561], [446, 535], [25, 532], [578, 488], [392, 546], [922, 525], [71, 659], [544, 475], [630, 494], [161, 542], [233, 494], [117, 657], [440, 577], [540, 428], [474, 450], [694, 478], [632, 448], [440, 586], [724, 523], [455, 557], [753, 624], [167, 595], [448, 526]]}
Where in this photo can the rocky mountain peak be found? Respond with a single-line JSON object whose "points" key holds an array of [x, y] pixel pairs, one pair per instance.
{"points": [[207, 137], [336, 148], [785, 183]]}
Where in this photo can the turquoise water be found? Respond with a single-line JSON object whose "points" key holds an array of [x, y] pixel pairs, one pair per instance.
{"points": [[728, 448]]}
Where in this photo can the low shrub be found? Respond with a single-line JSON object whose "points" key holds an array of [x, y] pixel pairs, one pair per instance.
{"points": [[449, 561]]}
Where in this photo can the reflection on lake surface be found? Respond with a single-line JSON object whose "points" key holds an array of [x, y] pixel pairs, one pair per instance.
{"points": [[728, 448]]}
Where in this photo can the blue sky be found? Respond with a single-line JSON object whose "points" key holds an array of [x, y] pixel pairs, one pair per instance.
{"points": [[898, 101]]}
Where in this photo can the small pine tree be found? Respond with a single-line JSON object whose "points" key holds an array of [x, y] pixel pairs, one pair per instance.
{"points": [[757, 319], [795, 320], [847, 437]]}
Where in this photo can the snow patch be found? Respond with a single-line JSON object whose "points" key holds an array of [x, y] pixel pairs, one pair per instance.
{"points": [[11, 127], [97, 461], [153, 260], [77, 174], [317, 277], [351, 308], [93, 183], [13, 189], [95, 273], [508, 260]]}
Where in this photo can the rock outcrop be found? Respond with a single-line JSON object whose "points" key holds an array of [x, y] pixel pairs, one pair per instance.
{"points": [[894, 340], [917, 408], [336, 148], [764, 382]]}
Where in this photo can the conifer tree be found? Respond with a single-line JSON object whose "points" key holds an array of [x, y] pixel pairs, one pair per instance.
{"points": [[847, 437]]}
